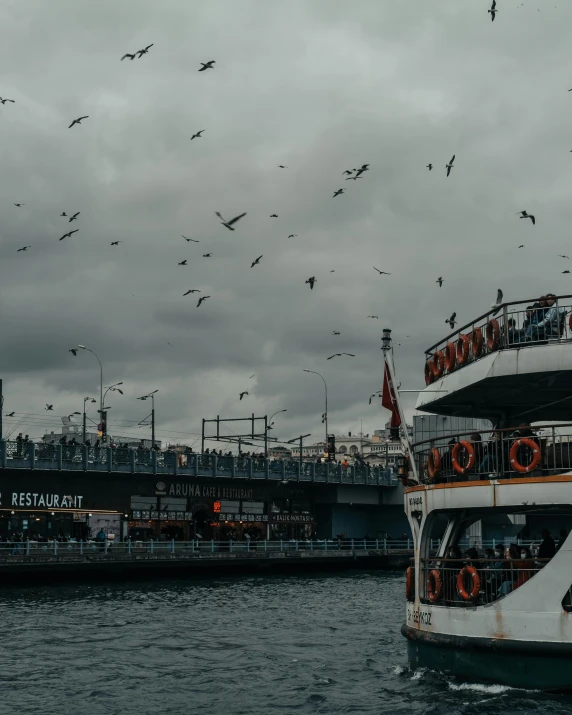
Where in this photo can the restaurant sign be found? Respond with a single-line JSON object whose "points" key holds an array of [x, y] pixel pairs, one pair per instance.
{"points": [[243, 517], [213, 491], [48, 501]]}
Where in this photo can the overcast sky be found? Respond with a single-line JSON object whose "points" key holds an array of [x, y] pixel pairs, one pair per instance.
{"points": [[320, 86]]}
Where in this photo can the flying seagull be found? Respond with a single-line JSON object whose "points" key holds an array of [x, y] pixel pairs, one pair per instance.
{"points": [[373, 316], [194, 290], [429, 166], [561, 256], [333, 270], [335, 332], [7, 100], [207, 66], [521, 245], [311, 281], [374, 394], [340, 355], [293, 235], [207, 255], [198, 134], [242, 394], [381, 273], [144, 51], [49, 407], [281, 166], [63, 213], [182, 263], [78, 121], [116, 243], [496, 306], [73, 351], [449, 166], [230, 223], [565, 271], [256, 262], [439, 281], [131, 57], [10, 414], [493, 10], [19, 205], [188, 240], [364, 167], [25, 248], [353, 178], [338, 192], [202, 298], [73, 218], [527, 215], [452, 321], [273, 215], [68, 235], [348, 172]]}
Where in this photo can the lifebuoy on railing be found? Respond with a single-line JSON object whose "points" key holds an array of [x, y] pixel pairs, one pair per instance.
{"points": [[438, 364], [465, 594], [434, 463], [409, 585], [536, 455], [434, 585], [477, 342], [450, 357], [463, 345], [493, 333], [429, 376], [470, 452]]}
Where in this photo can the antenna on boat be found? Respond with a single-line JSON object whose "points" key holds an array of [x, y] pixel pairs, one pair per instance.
{"points": [[392, 400]]}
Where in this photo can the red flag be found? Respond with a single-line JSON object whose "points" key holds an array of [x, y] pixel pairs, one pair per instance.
{"points": [[388, 399]]}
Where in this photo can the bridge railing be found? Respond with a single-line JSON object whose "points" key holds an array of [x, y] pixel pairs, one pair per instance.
{"points": [[27, 455]]}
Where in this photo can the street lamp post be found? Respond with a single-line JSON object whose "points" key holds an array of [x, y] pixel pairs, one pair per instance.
{"points": [[152, 396], [85, 399], [103, 422], [83, 347], [325, 415]]}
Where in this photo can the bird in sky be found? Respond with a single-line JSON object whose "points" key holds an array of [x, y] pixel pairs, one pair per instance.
{"points": [[340, 355], [281, 166], [78, 121], [198, 134], [374, 394], [230, 223], [452, 321], [333, 270], [273, 215], [131, 57], [521, 245], [116, 243], [381, 273], [440, 281], [250, 378], [10, 414], [364, 167], [193, 290], [293, 235], [73, 351], [565, 271], [335, 332], [449, 166], [348, 172], [188, 240], [353, 178], [68, 235], [182, 263], [561, 256], [338, 192], [524, 214], [429, 166], [207, 255], [49, 407], [207, 66], [373, 316], [24, 248], [201, 299], [7, 100], [73, 218], [143, 51], [496, 306], [256, 262], [493, 10], [19, 205], [63, 213], [311, 281], [242, 394]]}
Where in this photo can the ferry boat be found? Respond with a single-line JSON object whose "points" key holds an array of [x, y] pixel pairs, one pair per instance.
{"points": [[502, 616]]}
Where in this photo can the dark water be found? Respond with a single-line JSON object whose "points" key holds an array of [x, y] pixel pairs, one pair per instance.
{"points": [[322, 644]]}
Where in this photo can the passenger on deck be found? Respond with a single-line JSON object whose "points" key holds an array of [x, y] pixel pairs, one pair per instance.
{"points": [[510, 575], [524, 566], [478, 446], [447, 470], [547, 547], [550, 324]]}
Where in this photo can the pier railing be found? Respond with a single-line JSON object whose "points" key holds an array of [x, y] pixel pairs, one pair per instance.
{"points": [[543, 450], [510, 326], [27, 455]]}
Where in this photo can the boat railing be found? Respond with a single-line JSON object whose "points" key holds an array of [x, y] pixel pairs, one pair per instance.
{"points": [[473, 582], [544, 450], [510, 326]]}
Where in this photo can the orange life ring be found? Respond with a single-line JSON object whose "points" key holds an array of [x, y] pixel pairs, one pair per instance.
{"points": [[434, 585], [477, 342], [429, 376], [492, 332], [457, 466], [463, 593], [434, 463], [536, 456], [450, 357], [463, 344], [438, 365], [409, 586]]}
